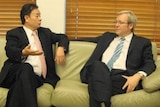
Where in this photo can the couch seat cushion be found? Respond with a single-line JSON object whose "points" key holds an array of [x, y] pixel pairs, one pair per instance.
{"points": [[44, 95], [70, 93], [140, 99], [3, 96]]}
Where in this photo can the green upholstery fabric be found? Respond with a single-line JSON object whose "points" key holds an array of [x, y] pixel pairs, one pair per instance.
{"points": [[3, 96], [70, 92], [2, 51], [152, 83], [44, 94], [138, 98], [79, 52], [69, 89]]}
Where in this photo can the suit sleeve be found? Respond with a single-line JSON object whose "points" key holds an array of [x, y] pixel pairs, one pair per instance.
{"points": [[14, 46], [61, 39], [148, 61]]}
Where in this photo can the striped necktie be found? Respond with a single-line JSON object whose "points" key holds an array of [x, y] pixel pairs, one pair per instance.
{"points": [[116, 54]]}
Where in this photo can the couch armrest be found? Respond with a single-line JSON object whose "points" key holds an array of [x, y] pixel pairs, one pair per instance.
{"points": [[152, 82]]}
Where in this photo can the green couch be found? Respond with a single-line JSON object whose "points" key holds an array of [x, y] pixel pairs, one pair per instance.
{"points": [[70, 92]]}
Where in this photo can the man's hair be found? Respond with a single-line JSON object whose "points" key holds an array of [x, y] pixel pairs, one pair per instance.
{"points": [[26, 10], [131, 17]]}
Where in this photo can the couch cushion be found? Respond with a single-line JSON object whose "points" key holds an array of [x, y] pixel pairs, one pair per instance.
{"points": [[152, 82], [3, 96], [154, 50], [79, 52], [70, 94], [2, 51], [44, 95], [138, 98]]}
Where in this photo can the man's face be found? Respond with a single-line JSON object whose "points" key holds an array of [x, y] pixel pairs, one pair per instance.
{"points": [[33, 21], [122, 27]]}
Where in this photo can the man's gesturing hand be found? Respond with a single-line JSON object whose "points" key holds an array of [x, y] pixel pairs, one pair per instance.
{"points": [[28, 51]]}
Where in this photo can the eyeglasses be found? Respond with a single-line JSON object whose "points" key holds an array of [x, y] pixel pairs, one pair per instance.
{"points": [[120, 22]]}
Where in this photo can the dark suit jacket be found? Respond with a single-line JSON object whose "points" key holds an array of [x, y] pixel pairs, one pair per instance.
{"points": [[17, 40], [139, 57]]}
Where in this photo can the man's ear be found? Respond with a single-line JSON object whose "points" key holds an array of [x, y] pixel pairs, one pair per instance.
{"points": [[26, 17], [130, 25]]}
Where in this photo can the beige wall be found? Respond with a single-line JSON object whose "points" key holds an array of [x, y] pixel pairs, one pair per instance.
{"points": [[53, 14]]}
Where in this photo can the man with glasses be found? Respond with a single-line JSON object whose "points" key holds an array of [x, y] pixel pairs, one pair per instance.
{"points": [[119, 62]]}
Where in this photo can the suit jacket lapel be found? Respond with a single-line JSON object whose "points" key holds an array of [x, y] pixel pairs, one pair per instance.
{"points": [[42, 38], [106, 42], [132, 44], [102, 45], [23, 33]]}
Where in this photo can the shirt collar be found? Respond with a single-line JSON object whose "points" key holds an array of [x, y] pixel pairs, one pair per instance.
{"points": [[128, 37], [27, 30]]}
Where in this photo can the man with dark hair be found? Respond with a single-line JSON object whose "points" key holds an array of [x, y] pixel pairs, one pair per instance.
{"points": [[30, 60]]}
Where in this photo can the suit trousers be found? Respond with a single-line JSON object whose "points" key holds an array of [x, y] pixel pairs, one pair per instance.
{"points": [[22, 83], [103, 83]]}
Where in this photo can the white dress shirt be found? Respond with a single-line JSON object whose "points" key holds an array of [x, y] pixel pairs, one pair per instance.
{"points": [[120, 63]]}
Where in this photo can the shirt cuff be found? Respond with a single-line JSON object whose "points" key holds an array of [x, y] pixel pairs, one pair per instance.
{"points": [[143, 73]]}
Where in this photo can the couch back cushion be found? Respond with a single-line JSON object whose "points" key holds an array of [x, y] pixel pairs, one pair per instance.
{"points": [[154, 50], [79, 53], [2, 51]]}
